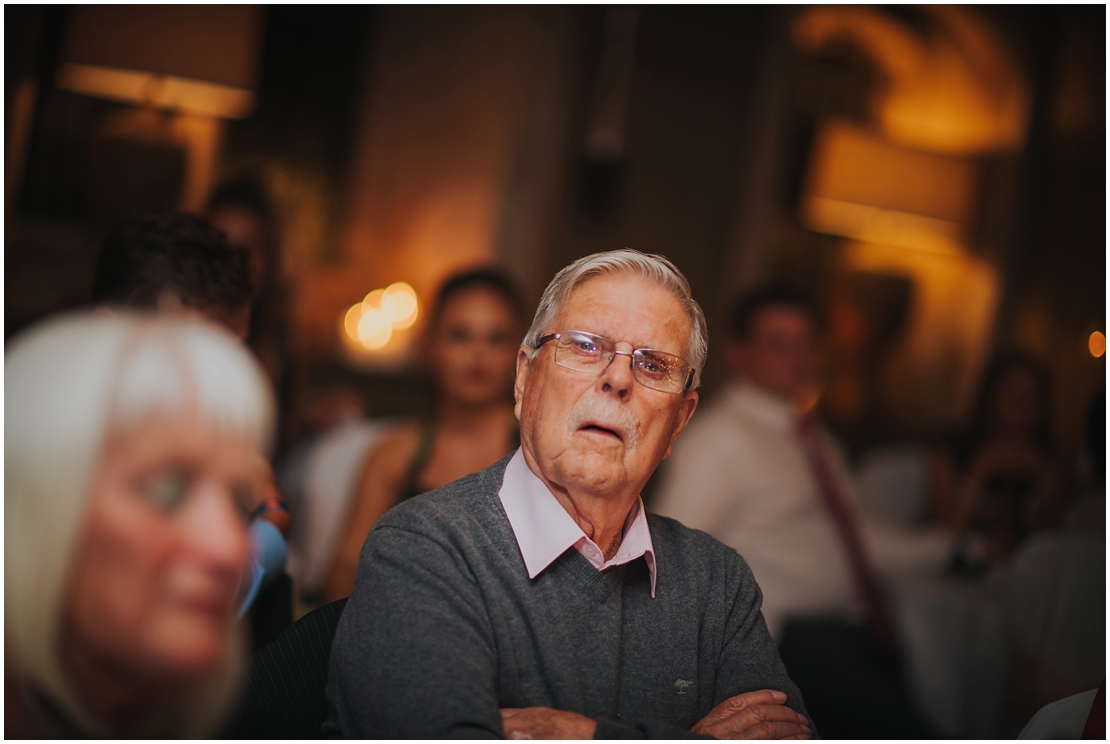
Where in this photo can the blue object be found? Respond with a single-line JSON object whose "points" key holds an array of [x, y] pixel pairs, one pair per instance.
{"points": [[268, 556]]}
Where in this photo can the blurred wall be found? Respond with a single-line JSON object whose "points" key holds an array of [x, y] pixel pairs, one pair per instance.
{"points": [[459, 146], [403, 143]]}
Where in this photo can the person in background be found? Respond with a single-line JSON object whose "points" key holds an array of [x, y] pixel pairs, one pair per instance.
{"points": [[536, 599], [759, 472], [241, 209], [997, 482], [130, 444], [470, 349], [181, 264], [176, 262]]}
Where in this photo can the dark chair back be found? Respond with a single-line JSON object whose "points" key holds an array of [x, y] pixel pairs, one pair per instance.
{"points": [[285, 697]]}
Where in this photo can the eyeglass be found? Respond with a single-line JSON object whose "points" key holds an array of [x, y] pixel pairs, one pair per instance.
{"points": [[592, 354]]}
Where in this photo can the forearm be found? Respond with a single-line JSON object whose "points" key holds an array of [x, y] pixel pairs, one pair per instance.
{"points": [[549, 723], [341, 578], [643, 729]]}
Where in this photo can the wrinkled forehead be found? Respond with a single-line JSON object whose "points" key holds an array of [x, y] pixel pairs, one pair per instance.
{"points": [[627, 307]]}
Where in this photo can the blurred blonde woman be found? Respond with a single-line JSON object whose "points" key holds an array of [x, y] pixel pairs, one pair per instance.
{"points": [[131, 463]]}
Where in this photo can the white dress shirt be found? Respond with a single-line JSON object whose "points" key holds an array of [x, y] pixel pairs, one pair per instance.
{"points": [[544, 530], [738, 473]]}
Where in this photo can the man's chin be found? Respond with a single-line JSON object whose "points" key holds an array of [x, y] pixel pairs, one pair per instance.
{"points": [[596, 472]]}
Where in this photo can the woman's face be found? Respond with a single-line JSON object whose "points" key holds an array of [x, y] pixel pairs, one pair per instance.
{"points": [[473, 347], [162, 551]]}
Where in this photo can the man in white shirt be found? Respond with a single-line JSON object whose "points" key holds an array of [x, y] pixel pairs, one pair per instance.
{"points": [[757, 472]]}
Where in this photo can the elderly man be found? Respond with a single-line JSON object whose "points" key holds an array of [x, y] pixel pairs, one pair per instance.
{"points": [[536, 599]]}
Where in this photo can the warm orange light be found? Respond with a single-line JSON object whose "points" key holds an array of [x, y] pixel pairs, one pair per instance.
{"points": [[162, 91], [350, 321], [374, 328], [1097, 344], [863, 187], [958, 92], [373, 300], [369, 325], [399, 301]]}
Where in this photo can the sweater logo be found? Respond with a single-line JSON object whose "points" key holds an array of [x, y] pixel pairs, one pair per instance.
{"points": [[683, 685]]}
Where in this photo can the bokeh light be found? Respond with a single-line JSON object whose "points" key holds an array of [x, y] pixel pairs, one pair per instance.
{"points": [[374, 328], [399, 301], [1097, 344], [370, 324], [350, 321], [373, 300]]}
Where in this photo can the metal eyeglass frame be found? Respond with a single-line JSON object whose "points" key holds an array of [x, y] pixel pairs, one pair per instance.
{"points": [[632, 355]]}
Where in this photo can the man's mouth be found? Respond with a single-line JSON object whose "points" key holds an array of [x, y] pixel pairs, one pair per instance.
{"points": [[601, 430]]}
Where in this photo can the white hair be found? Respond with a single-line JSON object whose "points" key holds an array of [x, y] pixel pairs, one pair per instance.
{"points": [[70, 383], [653, 267]]}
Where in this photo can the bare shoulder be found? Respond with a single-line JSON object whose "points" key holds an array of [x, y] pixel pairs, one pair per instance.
{"points": [[391, 458]]}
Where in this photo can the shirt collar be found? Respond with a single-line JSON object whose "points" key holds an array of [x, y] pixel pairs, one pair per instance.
{"points": [[544, 530]]}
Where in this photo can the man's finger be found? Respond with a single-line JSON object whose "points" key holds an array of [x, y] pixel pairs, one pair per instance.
{"points": [[756, 697], [773, 713], [745, 700], [742, 723], [511, 717], [775, 730]]}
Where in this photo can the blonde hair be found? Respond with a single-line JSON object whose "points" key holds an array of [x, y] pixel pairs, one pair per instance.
{"points": [[653, 267], [70, 383]]}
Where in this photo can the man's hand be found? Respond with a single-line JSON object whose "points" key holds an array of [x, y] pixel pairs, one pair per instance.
{"points": [[754, 715], [545, 723]]}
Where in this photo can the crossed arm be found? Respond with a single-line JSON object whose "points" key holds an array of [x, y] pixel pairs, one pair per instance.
{"points": [[753, 715]]}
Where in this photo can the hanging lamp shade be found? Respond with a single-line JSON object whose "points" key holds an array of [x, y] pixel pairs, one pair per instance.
{"points": [[861, 186], [199, 59]]}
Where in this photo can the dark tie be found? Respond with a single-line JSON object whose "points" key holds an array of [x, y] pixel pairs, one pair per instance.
{"points": [[878, 623]]}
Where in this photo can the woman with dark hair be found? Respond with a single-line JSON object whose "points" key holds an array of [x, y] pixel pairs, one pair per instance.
{"points": [[242, 210], [997, 483], [470, 350]]}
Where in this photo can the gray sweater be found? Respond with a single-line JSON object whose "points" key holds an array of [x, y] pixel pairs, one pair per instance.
{"points": [[444, 628]]}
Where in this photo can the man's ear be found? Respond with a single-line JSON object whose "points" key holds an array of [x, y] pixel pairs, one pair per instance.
{"points": [[523, 364], [685, 413]]}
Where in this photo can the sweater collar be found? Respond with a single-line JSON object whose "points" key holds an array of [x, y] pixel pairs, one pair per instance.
{"points": [[544, 530]]}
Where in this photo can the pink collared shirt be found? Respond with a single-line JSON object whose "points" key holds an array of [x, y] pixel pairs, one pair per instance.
{"points": [[544, 530]]}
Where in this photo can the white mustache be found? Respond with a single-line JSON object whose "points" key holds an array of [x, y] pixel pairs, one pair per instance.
{"points": [[608, 414]]}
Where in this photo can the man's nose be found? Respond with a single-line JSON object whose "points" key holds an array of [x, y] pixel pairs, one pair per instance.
{"points": [[618, 377]]}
